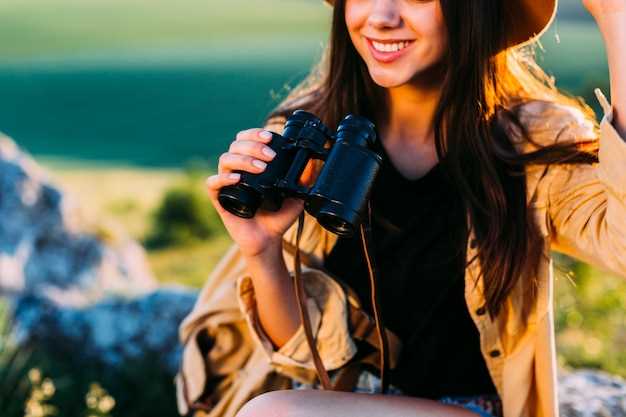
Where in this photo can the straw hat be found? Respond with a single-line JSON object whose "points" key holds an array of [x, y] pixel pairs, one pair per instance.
{"points": [[528, 19]]}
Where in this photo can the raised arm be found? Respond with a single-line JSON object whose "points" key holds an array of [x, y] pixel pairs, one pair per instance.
{"points": [[611, 18], [586, 204]]}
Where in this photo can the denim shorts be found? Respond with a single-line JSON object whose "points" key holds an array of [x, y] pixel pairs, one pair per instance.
{"points": [[368, 383]]}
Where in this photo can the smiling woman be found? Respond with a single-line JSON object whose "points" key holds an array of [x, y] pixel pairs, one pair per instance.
{"points": [[420, 41], [487, 166]]}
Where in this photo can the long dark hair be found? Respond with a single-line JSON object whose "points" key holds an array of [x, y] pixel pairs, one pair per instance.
{"points": [[485, 83]]}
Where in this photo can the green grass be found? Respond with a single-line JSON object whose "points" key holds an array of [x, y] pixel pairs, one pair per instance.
{"points": [[590, 320], [190, 264], [124, 203], [68, 27]]}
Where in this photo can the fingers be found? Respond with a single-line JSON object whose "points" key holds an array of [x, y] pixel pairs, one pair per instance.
{"points": [[255, 134], [215, 182], [248, 152], [254, 149], [235, 162]]}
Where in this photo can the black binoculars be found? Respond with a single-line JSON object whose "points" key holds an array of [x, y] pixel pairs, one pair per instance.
{"points": [[338, 198]]}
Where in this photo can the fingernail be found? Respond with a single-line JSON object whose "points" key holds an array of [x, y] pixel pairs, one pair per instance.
{"points": [[269, 152], [265, 134], [259, 164], [234, 176]]}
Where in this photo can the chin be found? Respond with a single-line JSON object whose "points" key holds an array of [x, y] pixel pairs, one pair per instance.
{"points": [[389, 80]]}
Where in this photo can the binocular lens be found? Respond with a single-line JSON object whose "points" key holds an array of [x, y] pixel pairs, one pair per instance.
{"points": [[240, 202], [330, 217], [335, 224]]}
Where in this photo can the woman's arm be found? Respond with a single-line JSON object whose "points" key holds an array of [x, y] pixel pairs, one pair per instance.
{"points": [[611, 18], [275, 296], [326, 302], [585, 204]]}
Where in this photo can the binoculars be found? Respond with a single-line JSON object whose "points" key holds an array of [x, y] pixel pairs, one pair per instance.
{"points": [[338, 198]]}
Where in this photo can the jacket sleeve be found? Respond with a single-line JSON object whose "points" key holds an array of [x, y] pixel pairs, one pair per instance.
{"points": [[214, 337], [328, 311], [587, 203]]}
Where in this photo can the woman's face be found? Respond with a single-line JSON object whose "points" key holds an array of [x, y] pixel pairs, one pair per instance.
{"points": [[398, 39]]}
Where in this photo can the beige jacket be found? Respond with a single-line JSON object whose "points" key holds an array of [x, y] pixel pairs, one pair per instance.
{"points": [[581, 211]]}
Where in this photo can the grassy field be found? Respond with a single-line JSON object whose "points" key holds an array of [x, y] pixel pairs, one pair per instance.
{"points": [[124, 202], [29, 28]]}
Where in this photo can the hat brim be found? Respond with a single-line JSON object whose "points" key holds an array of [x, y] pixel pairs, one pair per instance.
{"points": [[528, 19]]}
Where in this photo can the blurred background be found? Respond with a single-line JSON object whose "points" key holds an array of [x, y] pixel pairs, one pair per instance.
{"points": [[126, 104]]}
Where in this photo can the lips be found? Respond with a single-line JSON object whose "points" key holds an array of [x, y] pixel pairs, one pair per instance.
{"points": [[387, 51]]}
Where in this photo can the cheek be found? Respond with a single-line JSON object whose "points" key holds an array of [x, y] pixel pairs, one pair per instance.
{"points": [[440, 33], [356, 13], [429, 28]]}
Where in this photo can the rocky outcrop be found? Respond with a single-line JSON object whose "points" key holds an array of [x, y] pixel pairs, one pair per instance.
{"points": [[590, 393], [45, 252], [114, 331], [72, 290]]}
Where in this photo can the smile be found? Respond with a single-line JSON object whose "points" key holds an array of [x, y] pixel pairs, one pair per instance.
{"points": [[390, 47], [388, 50]]}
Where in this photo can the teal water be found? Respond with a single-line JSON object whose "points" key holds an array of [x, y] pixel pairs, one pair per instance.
{"points": [[158, 108], [143, 116]]}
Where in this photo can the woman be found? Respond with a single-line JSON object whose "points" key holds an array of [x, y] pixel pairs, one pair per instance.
{"points": [[487, 167]]}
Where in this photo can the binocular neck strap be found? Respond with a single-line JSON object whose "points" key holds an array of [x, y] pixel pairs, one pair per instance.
{"points": [[304, 315], [366, 234], [304, 312]]}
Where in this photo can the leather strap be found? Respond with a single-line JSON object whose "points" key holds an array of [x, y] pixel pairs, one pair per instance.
{"points": [[304, 312], [361, 322], [366, 233]]}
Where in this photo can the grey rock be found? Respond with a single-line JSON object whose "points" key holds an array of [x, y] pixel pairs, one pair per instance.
{"points": [[72, 291], [114, 331], [591, 393], [47, 253]]}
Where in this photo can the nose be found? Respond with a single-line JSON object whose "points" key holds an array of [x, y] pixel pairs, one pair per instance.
{"points": [[384, 14]]}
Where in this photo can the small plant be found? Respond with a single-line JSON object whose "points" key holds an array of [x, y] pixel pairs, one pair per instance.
{"points": [[42, 390], [14, 365], [99, 402], [185, 215]]}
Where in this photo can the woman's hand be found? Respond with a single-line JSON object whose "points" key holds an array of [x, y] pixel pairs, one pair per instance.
{"points": [[610, 15], [265, 230], [601, 8]]}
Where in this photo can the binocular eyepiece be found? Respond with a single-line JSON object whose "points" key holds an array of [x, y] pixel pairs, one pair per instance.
{"points": [[338, 198]]}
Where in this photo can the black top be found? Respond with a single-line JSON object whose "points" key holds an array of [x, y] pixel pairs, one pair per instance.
{"points": [[419, 240]]}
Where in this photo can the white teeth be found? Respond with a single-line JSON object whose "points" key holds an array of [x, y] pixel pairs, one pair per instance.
{"points": [[390, 47]]}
